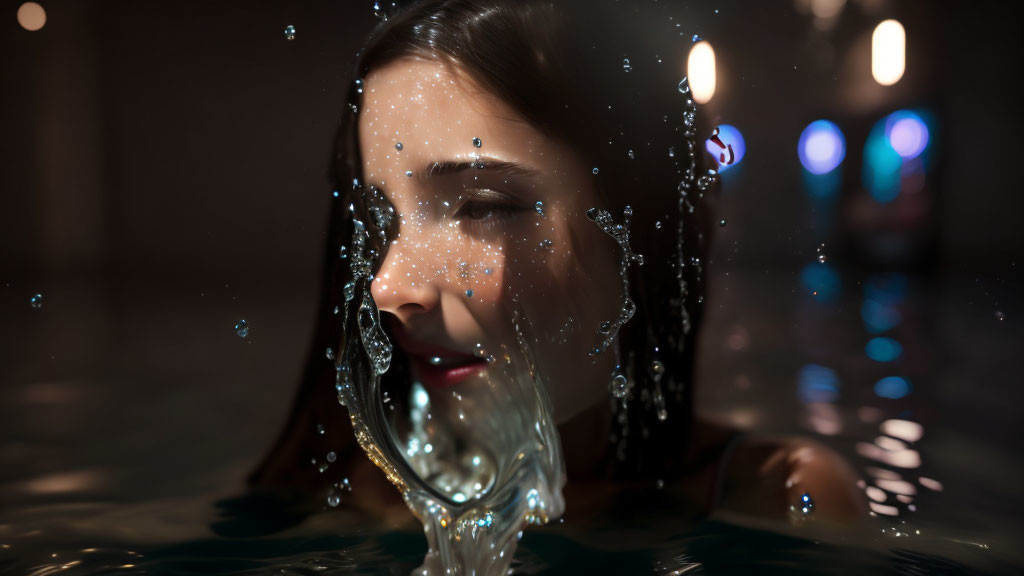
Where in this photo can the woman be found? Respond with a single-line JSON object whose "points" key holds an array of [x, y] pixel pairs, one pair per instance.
{"points": [[524, 154]]}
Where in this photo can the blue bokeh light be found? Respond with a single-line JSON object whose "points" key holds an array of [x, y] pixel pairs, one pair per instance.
{"points": [[821, 280], [730, 136], [882, 349], [879, 317], [897, 147], [822, 147], [817, 383], [907, 133], [893, 387]]}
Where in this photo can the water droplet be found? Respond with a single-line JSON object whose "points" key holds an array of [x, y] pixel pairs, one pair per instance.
{"points": [[605, 327], [477, 142], [37, 301], [805, 505], [619, 385], [408, 173], [331, 456], [333, 498], [822, 258], [488, 271], [289, 32], [595, 170], [657, 369], [684, 86], [625, 65], [469, 293], [1000, 316], [657, 224], [545, 244], [539, 207], [330, 353], [359, 90], [722, 222], [434, 360], [660, 484], [398, 146], [242, 328], [630, 154], [696, 38], [671, 152], [320, 429]]}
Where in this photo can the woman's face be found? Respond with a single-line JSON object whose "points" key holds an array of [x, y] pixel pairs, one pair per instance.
{"points": [[493, 234]]}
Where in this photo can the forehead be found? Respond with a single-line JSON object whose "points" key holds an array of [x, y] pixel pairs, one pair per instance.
{"points": [[436, 113]]}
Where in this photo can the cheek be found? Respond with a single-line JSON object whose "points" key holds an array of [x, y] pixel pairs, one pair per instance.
{"points": [[565, 290]]}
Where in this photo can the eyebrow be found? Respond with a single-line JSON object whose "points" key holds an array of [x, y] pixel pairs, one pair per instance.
{"points": [[447, 167]]}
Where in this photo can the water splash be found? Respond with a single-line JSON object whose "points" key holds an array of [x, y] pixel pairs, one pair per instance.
{"points": [[473, 482], [620, 233]]}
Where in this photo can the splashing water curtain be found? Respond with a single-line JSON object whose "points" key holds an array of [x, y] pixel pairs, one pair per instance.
{"points": [[474, 483]]}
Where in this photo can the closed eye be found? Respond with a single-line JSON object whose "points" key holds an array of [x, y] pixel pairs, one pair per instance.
{"points": [[488, 208]]}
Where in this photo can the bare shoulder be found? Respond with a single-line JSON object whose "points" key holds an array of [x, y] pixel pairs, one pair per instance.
{"points": [[779, 476]]}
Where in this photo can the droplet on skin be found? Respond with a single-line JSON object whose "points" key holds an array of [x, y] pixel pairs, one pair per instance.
{"points": [[477, 143], [469, 293], [539, 207], [398, 146], [242, 328], [289, 32], [408, 173]]}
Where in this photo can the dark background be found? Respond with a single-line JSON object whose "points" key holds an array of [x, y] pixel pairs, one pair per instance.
{"points": [[164, 174]]}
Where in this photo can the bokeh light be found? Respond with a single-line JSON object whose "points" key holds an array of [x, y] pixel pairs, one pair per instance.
{"points": [[700, 69], [730, 136], [888, 52], [820, 280], [31, 16], [817, 383], [882, 349], [907, 133], [892, 387], [822, 147]]}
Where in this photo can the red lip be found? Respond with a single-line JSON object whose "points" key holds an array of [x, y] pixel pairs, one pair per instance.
{"points": [[457, 366]]}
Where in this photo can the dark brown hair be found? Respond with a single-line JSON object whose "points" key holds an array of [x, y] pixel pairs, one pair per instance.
{"points": [[601, 78]]}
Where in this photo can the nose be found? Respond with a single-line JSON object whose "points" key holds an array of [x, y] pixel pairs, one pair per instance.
{"points": [[400, 287]]}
